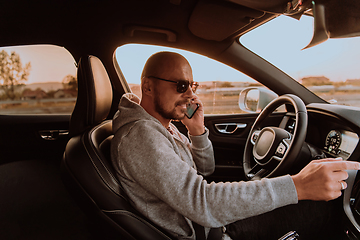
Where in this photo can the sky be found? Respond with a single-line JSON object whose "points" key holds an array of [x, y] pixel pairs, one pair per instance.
{"points": [[279, 41], [49, 63], [285, 37], [337, 59]]}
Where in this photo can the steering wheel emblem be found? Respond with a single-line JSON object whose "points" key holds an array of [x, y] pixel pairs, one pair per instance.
{"points": [[270, 146]]}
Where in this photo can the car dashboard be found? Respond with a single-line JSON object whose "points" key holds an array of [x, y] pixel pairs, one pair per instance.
{"points": [[334, 133], [334, 130]]}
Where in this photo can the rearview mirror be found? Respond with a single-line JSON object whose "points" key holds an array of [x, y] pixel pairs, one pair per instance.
{"points": [[335, 19], [255, 99]]}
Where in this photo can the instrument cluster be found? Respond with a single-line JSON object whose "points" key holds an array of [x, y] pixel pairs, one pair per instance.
{"points": [[340, 143]]}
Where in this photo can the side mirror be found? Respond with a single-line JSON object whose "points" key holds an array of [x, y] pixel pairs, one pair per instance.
{"points": [[255, 99]]}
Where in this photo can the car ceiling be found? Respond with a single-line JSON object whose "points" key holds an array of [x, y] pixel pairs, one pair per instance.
{"points": [[83, 26], [98, 27]]}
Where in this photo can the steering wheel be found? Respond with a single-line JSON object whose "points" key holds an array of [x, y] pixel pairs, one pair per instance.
{"points": [[270, 151]]}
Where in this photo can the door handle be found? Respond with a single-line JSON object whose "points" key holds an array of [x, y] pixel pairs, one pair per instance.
{"points": [[229, 128], [52, 134]]}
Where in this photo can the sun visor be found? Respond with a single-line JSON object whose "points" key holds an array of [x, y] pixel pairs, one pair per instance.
{"points": [[342, 18], [213, 21], [287, 7]]}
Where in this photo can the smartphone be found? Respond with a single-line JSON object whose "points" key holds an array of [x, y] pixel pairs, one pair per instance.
{"points": [[191, 109]]}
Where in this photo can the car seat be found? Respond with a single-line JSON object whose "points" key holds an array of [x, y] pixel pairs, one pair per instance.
{"points": [[86, 167]]}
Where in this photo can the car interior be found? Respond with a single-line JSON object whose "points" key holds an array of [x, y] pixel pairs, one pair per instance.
{"points": [[56, 177], [86, 167]]}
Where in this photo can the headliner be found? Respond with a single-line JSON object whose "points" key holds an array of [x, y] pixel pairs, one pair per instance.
{"points": [[207, 26]]}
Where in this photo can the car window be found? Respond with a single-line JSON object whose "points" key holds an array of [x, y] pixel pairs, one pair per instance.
{"points": [[330, 69], [220, 84], [38, 79]]}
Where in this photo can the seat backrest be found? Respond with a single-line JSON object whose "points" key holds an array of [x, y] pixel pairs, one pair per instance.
{"points": [[86, 168], [94, 95]]}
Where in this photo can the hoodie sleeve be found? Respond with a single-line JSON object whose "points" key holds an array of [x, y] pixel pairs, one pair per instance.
{"points": [[203, 154], [148, 157]]}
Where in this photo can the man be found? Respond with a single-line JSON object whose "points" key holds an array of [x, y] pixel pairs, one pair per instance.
{"points": [[162, 171]]}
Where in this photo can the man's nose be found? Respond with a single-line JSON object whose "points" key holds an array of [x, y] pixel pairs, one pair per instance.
{"points": [[189, 93]]}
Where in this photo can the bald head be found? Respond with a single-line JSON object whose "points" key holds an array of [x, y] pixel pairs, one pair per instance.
{"points": [[161, 63], [163, 73]]}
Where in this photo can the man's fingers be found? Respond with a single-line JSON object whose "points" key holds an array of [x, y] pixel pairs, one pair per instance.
{"points": [[337, 164], [343, 165], [329, 160], [339, 175], [343, 185]]}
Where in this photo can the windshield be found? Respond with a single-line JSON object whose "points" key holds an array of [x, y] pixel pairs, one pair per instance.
{"points": [[330, 70]]}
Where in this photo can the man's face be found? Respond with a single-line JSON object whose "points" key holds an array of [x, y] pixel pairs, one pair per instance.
{"points": [[169, 103], [174, 109]]}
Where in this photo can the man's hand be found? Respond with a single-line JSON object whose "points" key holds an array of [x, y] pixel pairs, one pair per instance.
{"points": [[195, 125], [323, 180]]}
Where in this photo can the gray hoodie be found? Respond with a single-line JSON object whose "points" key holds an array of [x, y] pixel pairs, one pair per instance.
{"points": [[162, 174]]}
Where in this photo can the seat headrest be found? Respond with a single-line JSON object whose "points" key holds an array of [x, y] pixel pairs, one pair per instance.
{"points": [[94, 95]]}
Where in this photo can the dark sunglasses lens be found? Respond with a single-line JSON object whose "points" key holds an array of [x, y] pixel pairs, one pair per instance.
{"points": [[182, 86]]}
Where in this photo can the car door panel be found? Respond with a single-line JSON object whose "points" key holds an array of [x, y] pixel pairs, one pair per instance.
{"points": [[228, 135], [24, 137], [229, 145]]}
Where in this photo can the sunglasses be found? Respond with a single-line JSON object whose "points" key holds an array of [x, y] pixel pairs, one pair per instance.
{"points": [[182, 85]]}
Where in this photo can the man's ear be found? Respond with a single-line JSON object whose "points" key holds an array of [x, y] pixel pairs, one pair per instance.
{"points": [[147, 87]]}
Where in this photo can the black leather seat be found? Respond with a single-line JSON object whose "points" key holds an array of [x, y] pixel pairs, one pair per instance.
{"points": [[86, 166]]}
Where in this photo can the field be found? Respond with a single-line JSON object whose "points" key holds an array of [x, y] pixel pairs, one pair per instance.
{"points": [[43, 106], [218, 103]]}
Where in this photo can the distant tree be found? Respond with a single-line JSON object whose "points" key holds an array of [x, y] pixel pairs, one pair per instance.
{"points": [[226, 85], [70, 82], [12, 73], [316, 81], [50, 94], [355, 82]]}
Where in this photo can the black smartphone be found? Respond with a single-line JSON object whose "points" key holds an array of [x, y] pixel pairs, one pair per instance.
{"points": [[191, 109]]}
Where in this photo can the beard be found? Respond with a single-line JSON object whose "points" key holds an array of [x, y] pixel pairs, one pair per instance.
{"points": [[168, 114]]}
